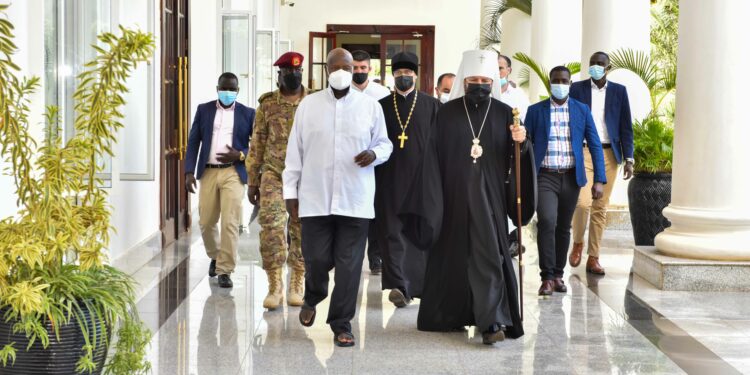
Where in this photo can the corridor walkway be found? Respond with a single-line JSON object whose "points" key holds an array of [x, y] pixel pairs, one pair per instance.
{"points": [[618, 324]]}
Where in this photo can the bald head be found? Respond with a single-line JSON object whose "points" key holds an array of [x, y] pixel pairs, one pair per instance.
{"points": [[339, 58]]}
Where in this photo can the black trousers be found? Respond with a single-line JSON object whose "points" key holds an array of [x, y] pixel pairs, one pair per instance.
{"points": [[330, 242], [373, 249], [558, 195]]}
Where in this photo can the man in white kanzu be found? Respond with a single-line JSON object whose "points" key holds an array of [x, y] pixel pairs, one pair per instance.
{"points": [[337, 139]]}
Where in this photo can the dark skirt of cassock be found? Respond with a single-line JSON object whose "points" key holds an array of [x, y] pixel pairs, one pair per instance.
{"points": [[457, 210], [404, 264]]}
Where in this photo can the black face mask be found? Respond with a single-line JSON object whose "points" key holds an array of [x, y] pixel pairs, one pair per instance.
{"points": [[359, 78], [404, 83], [478, 92], [292, 81]]}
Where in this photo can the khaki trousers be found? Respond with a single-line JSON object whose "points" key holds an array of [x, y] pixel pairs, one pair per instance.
{"points": [[594, 211], [220, 197]]}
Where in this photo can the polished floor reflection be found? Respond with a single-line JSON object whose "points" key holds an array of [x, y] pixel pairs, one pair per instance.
{"points": [[617, 324]]}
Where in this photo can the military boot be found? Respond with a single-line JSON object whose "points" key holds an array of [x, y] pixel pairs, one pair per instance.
{"points": [[295, 294], [275, 289]]}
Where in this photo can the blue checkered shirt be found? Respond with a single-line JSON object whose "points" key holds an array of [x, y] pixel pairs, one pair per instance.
{"points": [[559, 147]]}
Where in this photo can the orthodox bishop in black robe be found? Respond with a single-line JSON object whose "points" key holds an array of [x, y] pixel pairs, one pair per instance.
{"points": [[457, 208], [403, 263]]}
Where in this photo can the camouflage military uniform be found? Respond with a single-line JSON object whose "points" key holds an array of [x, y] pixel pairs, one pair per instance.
{"points": [[273, 122]]}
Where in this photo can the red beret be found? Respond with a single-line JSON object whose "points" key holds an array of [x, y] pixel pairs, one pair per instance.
{"points": [[289, 60]]}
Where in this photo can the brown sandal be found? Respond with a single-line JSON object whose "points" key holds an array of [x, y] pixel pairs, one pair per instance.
{"points": [[307, 315], [338, 339]]}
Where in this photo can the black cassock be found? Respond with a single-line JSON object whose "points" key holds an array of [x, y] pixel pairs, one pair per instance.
{"points": [[457, 210], [403, 263]]}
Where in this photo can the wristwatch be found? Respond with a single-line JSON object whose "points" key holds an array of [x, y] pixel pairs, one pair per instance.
{"points": [[630, 160], [242, 156]]}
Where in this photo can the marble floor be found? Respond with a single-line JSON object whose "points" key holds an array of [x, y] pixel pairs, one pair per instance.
{"points": [[617, 324]]}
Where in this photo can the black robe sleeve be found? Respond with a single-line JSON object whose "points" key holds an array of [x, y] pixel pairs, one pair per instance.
{"points": [[422, 211], [528, 185]]}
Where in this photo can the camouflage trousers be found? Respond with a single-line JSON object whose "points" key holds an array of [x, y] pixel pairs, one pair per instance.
{"points": [[273, 220]]}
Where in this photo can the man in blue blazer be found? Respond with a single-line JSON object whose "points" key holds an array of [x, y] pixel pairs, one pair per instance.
{"points": [[557, 129], [610, 108], [221, 131]]}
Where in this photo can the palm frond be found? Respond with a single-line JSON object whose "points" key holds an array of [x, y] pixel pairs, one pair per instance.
{"points": [[491, 32], [524, 77], [574, 67], [540, 71], [637, 62]]}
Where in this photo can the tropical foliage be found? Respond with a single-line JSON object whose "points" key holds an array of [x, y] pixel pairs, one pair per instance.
{"points": [[653, 145], [540, 70], [53, 262], [491, 32]]}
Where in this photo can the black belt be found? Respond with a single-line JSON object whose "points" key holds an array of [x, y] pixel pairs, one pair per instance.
{"points": [[604, 145], [560, 170], [219, 165]]}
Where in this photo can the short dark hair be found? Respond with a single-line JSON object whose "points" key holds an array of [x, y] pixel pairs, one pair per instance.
{"points": [[600, 53], [559, 68], [444, 75], [507, 59], [360, 55], [227, 75]]}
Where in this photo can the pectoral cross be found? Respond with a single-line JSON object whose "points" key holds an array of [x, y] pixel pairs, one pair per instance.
{"points": [[481, 59], [403, 138]]}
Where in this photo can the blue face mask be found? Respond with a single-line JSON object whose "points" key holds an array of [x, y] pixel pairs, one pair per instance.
{"points": [[227, 97], [596, 72], [559, 91], [503, 81]]}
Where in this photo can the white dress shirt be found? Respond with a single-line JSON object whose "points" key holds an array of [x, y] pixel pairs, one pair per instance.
{"points": [[327, 135], [374, 90], [598, 98], [222, 133], [515, 98]]}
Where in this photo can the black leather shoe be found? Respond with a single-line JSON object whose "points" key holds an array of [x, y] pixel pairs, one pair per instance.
{"points": [[212, 268], [225, 281]]}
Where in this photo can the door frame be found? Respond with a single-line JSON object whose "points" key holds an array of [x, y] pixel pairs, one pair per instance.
{"points": [[174, 224], [425, 33]]}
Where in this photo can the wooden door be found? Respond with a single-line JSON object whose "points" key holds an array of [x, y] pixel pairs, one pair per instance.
{"points": [[175, 106], [320, 45]]}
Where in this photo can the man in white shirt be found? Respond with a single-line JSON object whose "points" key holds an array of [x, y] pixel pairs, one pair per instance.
{"points": [[337, 139], [511, 95], [361, 83], [361, 77]]}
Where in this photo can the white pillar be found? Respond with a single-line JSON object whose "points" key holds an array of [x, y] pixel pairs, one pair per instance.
{"points": [[710, 208], [555, 37], [516, 37], [609, 25]]}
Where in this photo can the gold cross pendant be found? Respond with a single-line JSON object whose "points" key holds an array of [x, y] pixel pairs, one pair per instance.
{"points": [[403, 137]]}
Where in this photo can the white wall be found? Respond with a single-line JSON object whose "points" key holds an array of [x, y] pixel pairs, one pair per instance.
{"points": [[456, 23], [135, 204], [516, 37]]}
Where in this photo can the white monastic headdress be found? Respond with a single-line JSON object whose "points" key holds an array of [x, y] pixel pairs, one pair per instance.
{"points": [[477, 63]]}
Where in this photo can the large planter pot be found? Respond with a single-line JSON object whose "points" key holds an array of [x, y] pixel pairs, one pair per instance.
{"points": [[648, 194], [60, 357]]}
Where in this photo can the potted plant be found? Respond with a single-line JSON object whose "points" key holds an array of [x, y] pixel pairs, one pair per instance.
{"points": [[650, 190], [60, 301]]}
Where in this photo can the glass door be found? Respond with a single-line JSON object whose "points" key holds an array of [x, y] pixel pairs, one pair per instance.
{"points": [[391, 44], [320, 45], [236, 52]]}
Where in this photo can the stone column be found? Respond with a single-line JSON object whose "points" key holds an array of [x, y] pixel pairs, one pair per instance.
{"points": [[555, 37], [516, 37], [609, 25], [710, 208]]}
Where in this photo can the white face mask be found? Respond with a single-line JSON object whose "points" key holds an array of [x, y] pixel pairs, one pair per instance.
{"points": [[340, 79], [444, 97]]}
